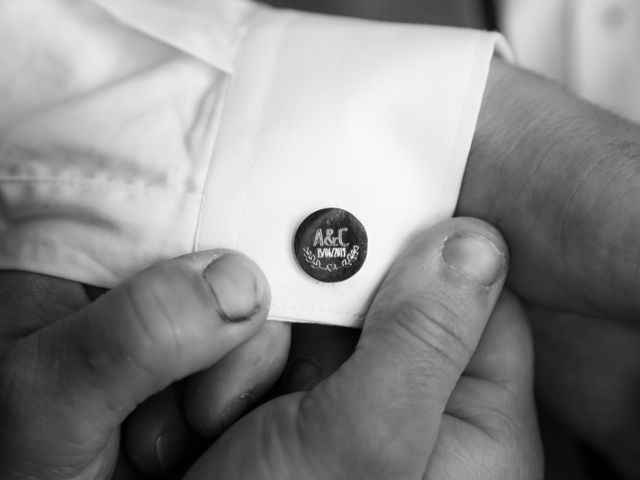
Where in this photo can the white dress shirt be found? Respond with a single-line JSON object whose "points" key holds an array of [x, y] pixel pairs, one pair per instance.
{"points": [[135, 131]]}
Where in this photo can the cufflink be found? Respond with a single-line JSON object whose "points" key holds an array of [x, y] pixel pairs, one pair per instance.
{"points": [[330, 245]]}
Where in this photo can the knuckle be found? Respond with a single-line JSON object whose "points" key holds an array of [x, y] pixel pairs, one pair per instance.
{"points": [[151, 314], [435, 326]]}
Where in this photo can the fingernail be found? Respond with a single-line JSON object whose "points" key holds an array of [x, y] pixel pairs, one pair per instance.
{"points": [[235, 410], [303, 375], [236, 287], [169, 449], [475, 257]]}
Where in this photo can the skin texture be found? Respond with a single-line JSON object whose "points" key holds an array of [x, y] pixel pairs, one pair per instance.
{"points": [[565, 184]]}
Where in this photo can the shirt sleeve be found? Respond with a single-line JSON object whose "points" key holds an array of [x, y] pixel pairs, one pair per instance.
{"points": [[176, 141]]}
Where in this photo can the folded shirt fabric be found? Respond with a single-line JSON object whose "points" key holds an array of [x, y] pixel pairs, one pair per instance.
{"points": [[132, 131]]}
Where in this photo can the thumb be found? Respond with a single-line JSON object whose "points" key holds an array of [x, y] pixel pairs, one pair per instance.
{"points": [[419, 335], [162, 325], [379, 413]]}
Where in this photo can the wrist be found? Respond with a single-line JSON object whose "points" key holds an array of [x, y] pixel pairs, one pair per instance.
{"points": [[558, 176], [510, 141]]}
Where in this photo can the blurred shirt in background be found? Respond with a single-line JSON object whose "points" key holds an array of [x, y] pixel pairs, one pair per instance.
{"points": [[590, 46]]}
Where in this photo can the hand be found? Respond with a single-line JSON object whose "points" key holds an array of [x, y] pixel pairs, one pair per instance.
{"points": [[425, 395], [559, 177], [565, 187], [70, 372]]}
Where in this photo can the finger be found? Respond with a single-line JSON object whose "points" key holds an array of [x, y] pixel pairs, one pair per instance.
{"points": [[316, 352], [379, 414], [495, 393], [216, 397], [164, 324], [504, 356], [156, 435]]}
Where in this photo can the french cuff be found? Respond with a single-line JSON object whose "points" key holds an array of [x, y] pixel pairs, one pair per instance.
{"points": [[373, 121], [327, 113]]}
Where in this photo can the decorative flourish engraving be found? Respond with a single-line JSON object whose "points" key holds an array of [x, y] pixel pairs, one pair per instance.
{"points": [[347, 262], [311, 259], [352, 256]]}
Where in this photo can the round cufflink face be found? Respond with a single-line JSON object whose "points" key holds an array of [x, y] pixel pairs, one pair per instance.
{"points": [[331, 245]]}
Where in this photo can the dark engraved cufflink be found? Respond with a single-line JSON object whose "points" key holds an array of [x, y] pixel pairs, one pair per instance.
{"points": [[331, 245]]}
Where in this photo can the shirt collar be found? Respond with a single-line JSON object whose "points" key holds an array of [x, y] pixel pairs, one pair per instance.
{"points": [[210, 30]]}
